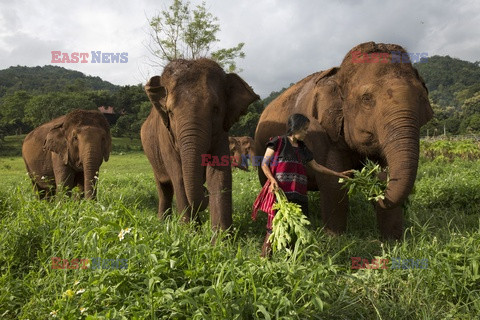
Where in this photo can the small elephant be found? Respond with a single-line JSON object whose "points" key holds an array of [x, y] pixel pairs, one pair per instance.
{"points": [[236, 154], [68, 152], [194, 105], [246, 150], [358, 110]]}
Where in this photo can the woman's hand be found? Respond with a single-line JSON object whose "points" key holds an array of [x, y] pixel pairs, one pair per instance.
{"points": [[273, 185], [346, 174]]}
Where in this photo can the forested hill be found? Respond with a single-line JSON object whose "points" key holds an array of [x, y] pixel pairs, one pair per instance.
{"points": [[30, 96], [450, 81], [49, 79]]}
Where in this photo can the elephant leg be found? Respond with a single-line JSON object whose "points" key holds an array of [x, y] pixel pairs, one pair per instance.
{"points": [[165, 197], [390, 222], [335, 203], [64, 176], [79, 182], [219, 181], [166, 188]]}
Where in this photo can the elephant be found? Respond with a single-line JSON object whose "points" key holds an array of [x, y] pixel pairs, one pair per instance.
{"points": [[68, 151], [361, 109], [194, 105], [246, 150], [236, 154]]}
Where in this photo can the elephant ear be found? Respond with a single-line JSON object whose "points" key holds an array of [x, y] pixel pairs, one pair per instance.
{"points": [[239, 96], [425, 112], [330, 91], [57, 142], [157, 94], [107, 148]]}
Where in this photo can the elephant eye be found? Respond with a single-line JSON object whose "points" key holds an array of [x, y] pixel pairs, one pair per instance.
{"points": [[366, 97], [367, 100]]}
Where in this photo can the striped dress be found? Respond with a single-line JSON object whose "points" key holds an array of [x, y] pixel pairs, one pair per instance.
{"points": [[290, 171]]}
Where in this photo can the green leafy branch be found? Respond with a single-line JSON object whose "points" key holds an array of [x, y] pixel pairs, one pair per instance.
{"points": [[366, 182], [289, 224]]}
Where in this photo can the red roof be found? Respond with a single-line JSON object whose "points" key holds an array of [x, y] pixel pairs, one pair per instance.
{"points": [[108, 109]]}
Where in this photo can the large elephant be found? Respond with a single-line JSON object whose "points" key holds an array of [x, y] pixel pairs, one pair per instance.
{"points": [[372, 109], [68, 152], [194, 105]]}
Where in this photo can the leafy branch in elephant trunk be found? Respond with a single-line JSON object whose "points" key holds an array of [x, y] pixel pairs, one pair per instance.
{"points": [[289, 224], [366, 182]]}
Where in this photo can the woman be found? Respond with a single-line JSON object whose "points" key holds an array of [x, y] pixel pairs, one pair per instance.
{"points": [[290, 173]]}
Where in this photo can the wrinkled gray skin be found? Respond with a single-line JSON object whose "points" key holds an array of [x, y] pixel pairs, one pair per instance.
{"points": [[356, 111], [67, 151], [194, 105]]}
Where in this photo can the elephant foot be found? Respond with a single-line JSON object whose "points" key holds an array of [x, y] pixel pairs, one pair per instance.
{"points": [[390, 223]]}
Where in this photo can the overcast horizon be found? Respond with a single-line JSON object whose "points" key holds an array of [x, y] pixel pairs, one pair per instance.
{"points": [[285, 41]]}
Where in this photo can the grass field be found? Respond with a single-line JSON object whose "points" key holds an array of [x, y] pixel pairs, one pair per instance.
{"points": [[175, 272]]}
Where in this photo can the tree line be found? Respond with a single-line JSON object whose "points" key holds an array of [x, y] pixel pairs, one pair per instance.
{"points": [[30, 96]]}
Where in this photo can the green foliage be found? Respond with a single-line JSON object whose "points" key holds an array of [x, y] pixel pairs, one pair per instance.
{"points": [[226, 57], [45, 107], [446, 184], [128, 99], [366, 182], [48, 79], [180, 32], [445, 76], [247, 124], [454, 86], [288, 225], [175, 272], [449, 150], [127, 126]]}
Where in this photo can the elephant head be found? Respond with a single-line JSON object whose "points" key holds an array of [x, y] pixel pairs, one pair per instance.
{"points": [[377, 109], [83, 141], [236, 152], [198, 103]]}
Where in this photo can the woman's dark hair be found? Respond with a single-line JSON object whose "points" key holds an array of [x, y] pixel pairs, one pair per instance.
{"points": [[295, 123]]}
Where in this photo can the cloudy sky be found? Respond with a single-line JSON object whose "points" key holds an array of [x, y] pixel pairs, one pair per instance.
{"points": [[285, 40]]}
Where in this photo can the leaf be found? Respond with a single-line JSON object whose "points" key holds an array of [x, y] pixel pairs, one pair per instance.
{"points": [[288, 220]]}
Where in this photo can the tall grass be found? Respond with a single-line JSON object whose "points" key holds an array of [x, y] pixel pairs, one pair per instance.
{"points": [[175, 272]]}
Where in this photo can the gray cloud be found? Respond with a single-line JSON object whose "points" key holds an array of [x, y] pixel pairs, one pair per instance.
{"points": [[284, 40]]}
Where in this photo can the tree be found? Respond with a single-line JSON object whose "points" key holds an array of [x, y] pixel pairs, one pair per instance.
{"points": [[471, 106], [45, 107], [179, 32], [12, 111], [129, 98]]}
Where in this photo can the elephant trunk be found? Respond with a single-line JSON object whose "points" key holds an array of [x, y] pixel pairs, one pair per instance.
{"points": [[192, 147], [402, 154], [91, 163]]}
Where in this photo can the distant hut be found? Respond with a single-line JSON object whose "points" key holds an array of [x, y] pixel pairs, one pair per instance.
{"points": [[109, 113]]}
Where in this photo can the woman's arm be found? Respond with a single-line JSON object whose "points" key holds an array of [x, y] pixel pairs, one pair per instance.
{"points": [[319, 168], [269, 153]]}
